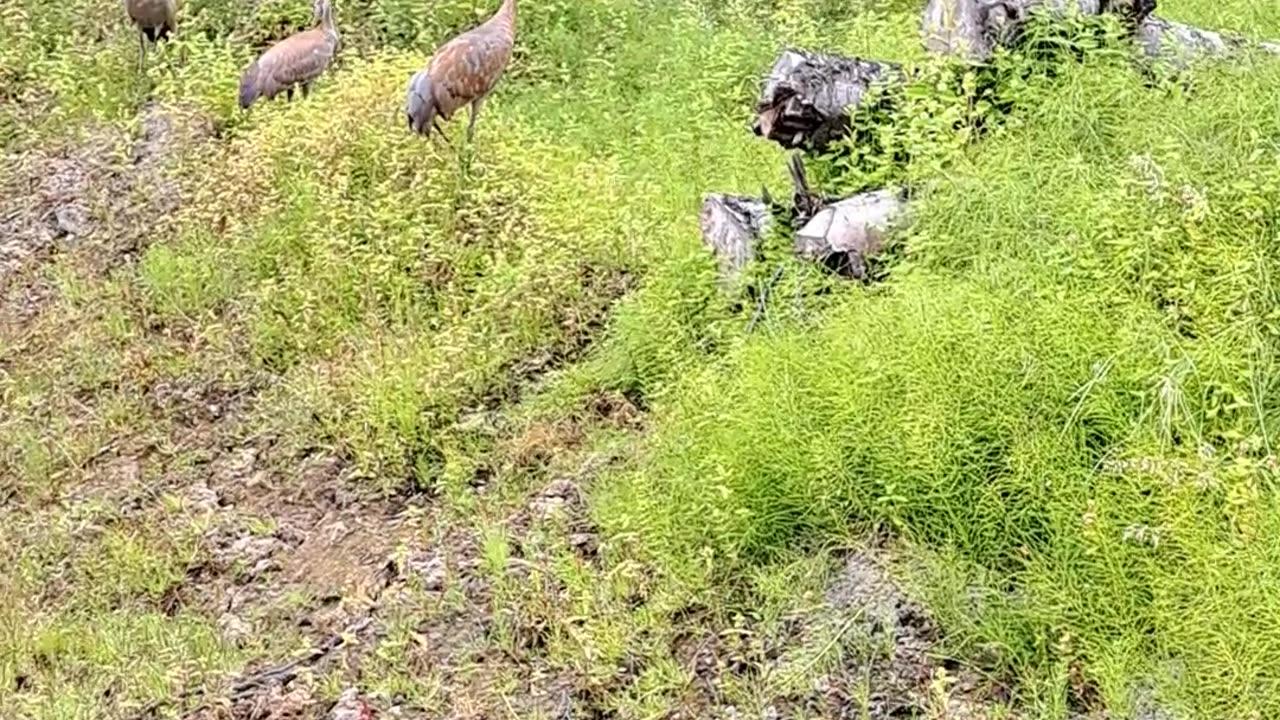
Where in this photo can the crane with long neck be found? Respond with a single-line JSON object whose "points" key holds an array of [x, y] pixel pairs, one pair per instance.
{"points": [[462, 72], [294, 62]]}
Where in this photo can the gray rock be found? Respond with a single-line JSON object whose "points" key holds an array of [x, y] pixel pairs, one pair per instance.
{"points": [[202, 497], [234, 629], [431, 569], [71, 220], [351, 706]]}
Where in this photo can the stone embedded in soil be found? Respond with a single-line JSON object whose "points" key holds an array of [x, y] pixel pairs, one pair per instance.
{"points": [[234, 629], [351, 706], [586, 543], [72, 220], [253, 554], [234, 465], [554, 498], [431, 569], [201, 497], [321, 470], [262, 567]]}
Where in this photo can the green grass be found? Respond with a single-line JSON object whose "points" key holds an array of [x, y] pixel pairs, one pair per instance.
{"points": [[1062, 401], [1086, 307]]}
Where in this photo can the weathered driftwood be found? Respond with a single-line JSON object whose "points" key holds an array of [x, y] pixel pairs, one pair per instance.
{"points": [[732, 226], [845, 236], [806, 97], [1180, 44], [973, 29], [842, 234]]}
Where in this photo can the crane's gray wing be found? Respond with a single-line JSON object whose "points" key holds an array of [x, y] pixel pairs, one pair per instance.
{"points": [[468, 66], [296, 59]]}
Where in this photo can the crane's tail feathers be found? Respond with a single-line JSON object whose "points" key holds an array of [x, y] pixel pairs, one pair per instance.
{"points": [[249, 86]]}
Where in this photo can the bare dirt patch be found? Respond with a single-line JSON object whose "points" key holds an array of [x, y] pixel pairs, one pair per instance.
{"points": [[102, 198], [398, 568], [867, 650]]}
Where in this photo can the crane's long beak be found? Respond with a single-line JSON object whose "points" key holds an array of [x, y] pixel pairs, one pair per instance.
{"points": [[436, 124]]}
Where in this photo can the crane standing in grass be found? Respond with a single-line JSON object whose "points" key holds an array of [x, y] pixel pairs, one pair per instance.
{"points": [[293, 62], [156, 20], [463, 71]]}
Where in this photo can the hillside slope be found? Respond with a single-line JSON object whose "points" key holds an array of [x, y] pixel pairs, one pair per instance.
{"points": [[303, 415]]}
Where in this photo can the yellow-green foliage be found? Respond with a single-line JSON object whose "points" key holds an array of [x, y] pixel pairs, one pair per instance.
{"points": [[393, 282], [83, 626], [1064, 392]]}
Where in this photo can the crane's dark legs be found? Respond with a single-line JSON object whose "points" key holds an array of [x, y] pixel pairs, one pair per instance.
{"points": [[475, 112], [306, 89], [288, 94], [142, 52]]}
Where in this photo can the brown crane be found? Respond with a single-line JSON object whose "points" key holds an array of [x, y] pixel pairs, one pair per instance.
{"points": [[294, 62], [156, 20], [462, 72]]}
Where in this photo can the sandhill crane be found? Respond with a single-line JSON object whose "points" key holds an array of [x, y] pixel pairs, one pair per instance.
{"points": [[156, 20], [463, 71], [295, 61]]}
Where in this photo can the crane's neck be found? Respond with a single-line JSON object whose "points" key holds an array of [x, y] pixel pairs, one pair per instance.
{"points": [[327, 22], [508, 10]]}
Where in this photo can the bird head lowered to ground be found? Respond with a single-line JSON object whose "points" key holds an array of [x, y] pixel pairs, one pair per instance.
{"points": [[420, 104]]}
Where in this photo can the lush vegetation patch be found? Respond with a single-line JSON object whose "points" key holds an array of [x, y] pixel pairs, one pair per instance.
{"points": [[1063, 396], [1068, 386]]}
